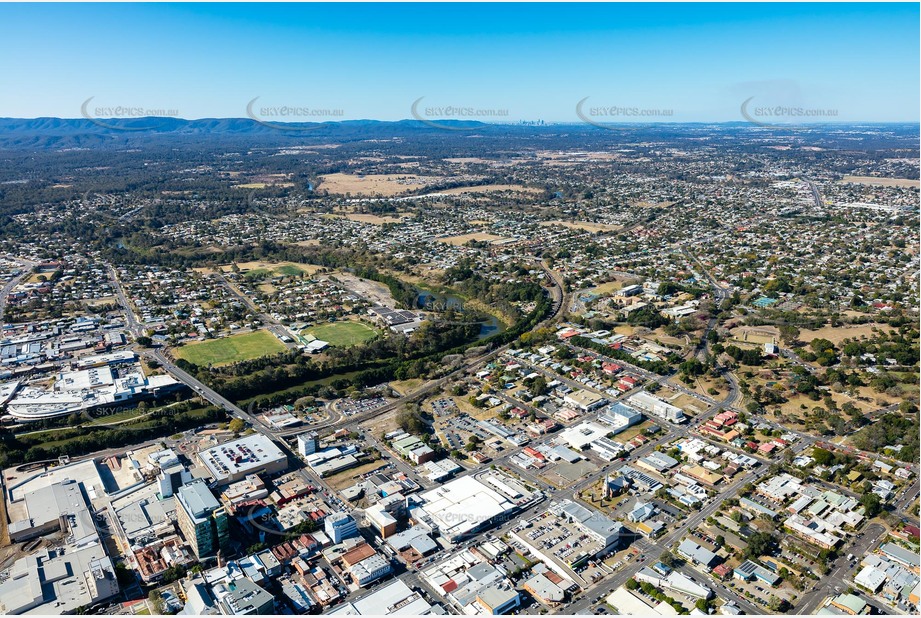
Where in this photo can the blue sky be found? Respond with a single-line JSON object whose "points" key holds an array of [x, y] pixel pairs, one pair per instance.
{"points": [[535, 61]]}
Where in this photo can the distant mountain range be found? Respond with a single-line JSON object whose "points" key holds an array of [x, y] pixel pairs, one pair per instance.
{"points": [[70, 133], [57, 133]]}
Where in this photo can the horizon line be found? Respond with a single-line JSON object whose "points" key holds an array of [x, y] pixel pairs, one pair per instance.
{"points": [[462, 120]]}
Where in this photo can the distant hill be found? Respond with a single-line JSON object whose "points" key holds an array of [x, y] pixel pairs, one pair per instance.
{"points": [[84, 133], [58, 133]]}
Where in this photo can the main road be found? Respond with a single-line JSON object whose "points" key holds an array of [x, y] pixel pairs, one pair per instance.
{"points": [[8, 288], [557, 293]]}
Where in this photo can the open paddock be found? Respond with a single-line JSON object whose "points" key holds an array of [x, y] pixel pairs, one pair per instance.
{"points": [[879, 182], [586, 226], [463, 239]]}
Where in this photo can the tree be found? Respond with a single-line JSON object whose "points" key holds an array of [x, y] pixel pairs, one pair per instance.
{"points": [[236, 425], [758, 544], [871, 504], [538, 386], [822, 456], [144, 341], [632, 584], [789, 333], [158, 606]]}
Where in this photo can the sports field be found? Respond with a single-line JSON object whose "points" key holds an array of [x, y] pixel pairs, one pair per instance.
{"points": [[231, 349], [342, 334]]}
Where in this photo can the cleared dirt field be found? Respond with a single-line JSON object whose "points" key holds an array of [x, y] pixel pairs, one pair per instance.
{"points": [[263, 185], [583, 225], [631, 432], [757, 334], [404, 387], [837, 334], [374, 219], [880, 182], [382, 424], [653, 204], [372, 184], [607, 288], [467, 160], [691, 405], [231, 349], [349, 477], [372, 290], [290, 269], [465, 238]]}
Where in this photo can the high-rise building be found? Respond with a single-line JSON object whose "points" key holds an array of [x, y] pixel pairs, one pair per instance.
{"points": [[308, 443], [202, 519], [172, 478], [340, 526]]}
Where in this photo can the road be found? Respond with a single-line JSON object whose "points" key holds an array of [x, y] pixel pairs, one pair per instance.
{"points": [[12, 283], [834, 581], [271, 324], [215, 398], [652, 549]]}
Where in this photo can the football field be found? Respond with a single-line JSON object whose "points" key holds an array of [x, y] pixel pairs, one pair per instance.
{"points": [[231, 349]]}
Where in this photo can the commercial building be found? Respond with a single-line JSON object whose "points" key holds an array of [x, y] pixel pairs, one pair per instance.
{"points": [[544, 590], [368, 570], [308, 443], [582, 435], [472, 586], [340, 526], [620, 416], [498, 601], [412, 544], [88, 389], [750, 570], [870, 578], [584, 400], [437, 471], [201, 519], [233, 461], [850, 604], [567, 536], [394, 598], [655, 406], [674, 581], [60, 580], [901, 555], [242, 597], [381, 517], [469, 504], [697, 554], [413, 449]]}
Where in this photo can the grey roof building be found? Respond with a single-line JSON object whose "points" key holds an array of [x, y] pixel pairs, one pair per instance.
{"points": [[697, 554]]}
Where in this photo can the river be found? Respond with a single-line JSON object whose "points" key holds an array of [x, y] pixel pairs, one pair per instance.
{"points": [[437, 301]]}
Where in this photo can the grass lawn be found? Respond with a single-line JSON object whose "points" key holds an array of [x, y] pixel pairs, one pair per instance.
{"points": [[231, 349], [342, 334], [290, 270]]}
